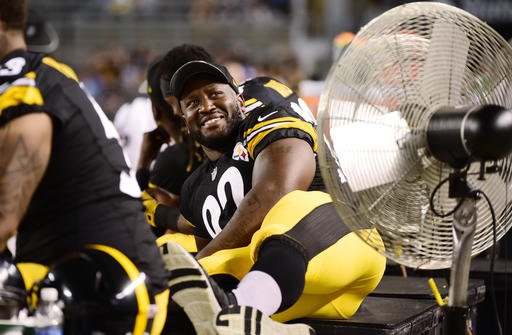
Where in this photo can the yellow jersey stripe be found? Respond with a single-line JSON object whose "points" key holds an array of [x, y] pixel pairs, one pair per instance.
{"points": [[280, 88], [20, 95], [141, 291], [262, 124], [297, 124], [250, 101], [62, 68]]}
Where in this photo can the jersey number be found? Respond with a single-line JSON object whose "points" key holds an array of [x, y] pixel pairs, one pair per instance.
{"points": [[213, 206]]}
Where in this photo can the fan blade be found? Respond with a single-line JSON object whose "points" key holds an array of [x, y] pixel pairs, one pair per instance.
{"points": [[443, 72], [368, 145]]}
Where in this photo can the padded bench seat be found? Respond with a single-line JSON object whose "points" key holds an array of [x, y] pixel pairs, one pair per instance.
{"points": [[398, 306], [383, 315]]}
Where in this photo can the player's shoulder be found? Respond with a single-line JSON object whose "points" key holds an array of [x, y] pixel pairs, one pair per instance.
{"points": [[268, 98], [21, 63], [56, 67], [17, 65], [18, 85], [261, 92]]}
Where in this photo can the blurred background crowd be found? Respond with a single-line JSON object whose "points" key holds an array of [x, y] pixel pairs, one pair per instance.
{"points": [[110, 42]]}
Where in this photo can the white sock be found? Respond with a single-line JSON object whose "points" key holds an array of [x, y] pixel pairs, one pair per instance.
{"points": [[259, 290]]}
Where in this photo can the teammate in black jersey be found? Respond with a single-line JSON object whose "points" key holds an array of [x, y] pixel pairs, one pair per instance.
{"points": [[64, 182], [173, 165], [255, 205]]}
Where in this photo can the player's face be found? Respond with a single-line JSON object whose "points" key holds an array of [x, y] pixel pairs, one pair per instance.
{"points": [[212, 112]]}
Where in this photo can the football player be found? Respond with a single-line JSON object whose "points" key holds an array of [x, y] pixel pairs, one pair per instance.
{"points": [[174, 164], [258, 208], [64, 182]]}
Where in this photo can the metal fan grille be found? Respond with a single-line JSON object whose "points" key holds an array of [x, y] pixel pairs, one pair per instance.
{"points": [[379, 96]]}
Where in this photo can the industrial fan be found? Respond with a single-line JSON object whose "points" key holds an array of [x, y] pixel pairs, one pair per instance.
{"points": [[416, 123]]}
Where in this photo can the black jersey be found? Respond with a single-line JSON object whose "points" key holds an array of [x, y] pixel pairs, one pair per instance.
{"points": [[213, 192], [86, 194], [261, 92], [174, 165]]}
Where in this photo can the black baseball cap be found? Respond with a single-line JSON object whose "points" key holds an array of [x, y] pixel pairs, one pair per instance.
{"points": [[153, 78], [199, 67]]}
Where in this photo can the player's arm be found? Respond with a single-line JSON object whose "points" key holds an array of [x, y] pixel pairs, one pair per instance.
{"points": [[162, 210], [283, 166], [25, 145]]}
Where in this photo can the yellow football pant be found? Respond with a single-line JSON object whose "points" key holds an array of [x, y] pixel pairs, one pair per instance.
{"points": [[337, 279]]}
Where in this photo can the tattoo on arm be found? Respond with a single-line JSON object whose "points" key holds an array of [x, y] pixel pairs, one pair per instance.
{"points": [[21, 168]]}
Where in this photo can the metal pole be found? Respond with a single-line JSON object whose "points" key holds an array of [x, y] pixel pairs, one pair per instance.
{"points": [[464, 226]]}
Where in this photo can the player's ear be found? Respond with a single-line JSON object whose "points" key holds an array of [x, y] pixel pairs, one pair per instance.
{"points": [[175, 105], [241, 101], [157, 115]]}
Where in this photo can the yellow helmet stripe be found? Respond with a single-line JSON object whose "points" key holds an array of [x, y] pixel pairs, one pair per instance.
{"points": [[161, 300], [141, 291], [32, 273]]}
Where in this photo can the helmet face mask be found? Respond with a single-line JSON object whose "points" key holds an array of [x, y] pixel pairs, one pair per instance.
{"points": [[100, 293]]}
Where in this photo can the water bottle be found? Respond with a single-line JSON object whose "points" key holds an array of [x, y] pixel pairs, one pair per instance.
{"points": [[49, 316]]}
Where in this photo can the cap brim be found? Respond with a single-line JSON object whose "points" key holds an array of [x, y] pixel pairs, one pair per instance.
{"points": [[192, 69]]}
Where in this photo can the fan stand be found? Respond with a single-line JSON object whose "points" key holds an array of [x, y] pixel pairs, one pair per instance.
{"points": [[464, 225]]}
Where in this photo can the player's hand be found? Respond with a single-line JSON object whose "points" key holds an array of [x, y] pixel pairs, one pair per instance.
{"points": [[150, 205], [157, 137]]}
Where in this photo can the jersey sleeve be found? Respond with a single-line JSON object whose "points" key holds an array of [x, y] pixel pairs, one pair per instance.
{"points": [[29, 83], [275, 123], [19, 97], [274, 111]]}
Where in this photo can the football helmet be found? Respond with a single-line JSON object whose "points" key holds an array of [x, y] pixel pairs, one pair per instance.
{"points": [[102, 292], [13, 295]]}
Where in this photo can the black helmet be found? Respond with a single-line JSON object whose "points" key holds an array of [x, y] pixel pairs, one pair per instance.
{"points": [[102, 292], [13, 295], [40, 35]]}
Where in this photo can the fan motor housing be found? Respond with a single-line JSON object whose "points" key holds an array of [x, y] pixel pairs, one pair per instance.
{"points": [[461, 135], [444, 136]]}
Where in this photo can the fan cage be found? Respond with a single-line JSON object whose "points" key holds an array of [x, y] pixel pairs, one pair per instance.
{"points": [[379, 95]]}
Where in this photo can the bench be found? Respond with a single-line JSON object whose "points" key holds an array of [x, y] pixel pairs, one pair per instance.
{"points": [[399, 306]]}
